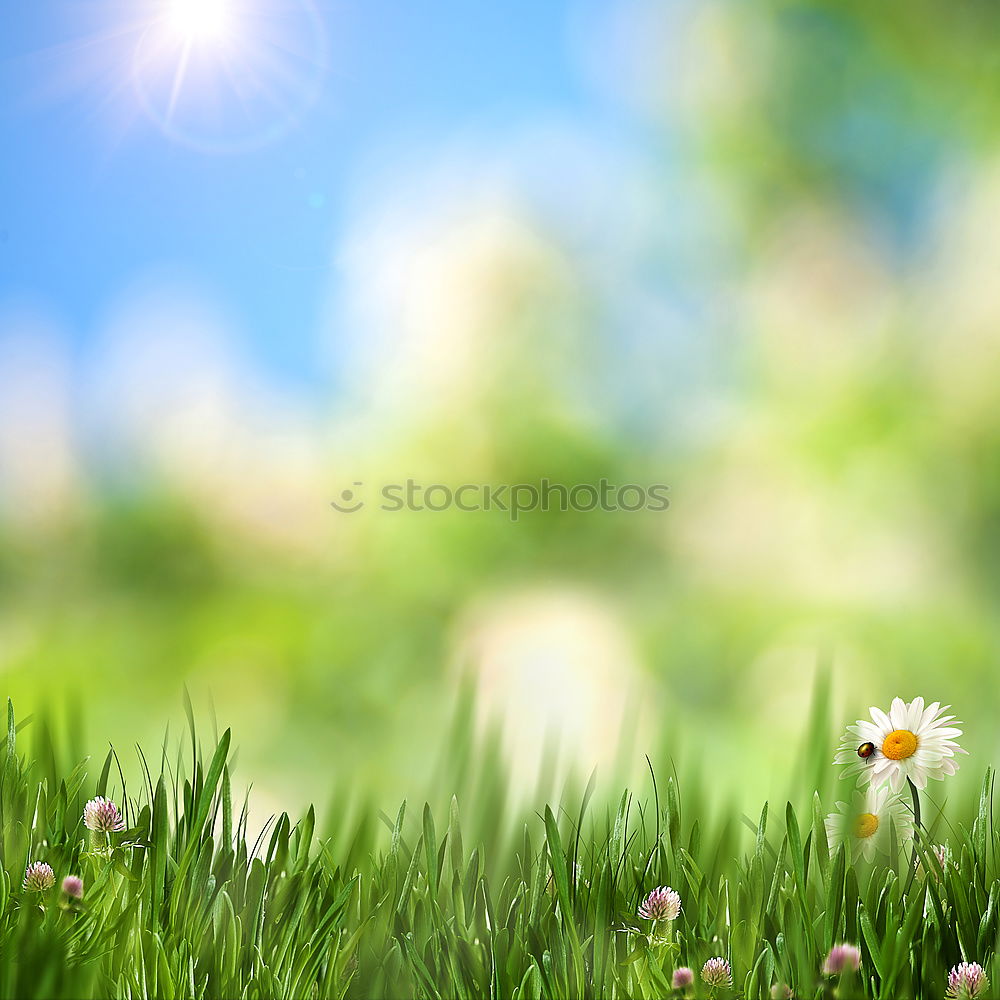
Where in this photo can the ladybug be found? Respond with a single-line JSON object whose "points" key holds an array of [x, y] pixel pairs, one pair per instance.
{"points": [[866, 750]]}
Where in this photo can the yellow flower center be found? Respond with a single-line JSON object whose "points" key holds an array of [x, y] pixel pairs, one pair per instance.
{"points": [[899, 744], [865, 825]]}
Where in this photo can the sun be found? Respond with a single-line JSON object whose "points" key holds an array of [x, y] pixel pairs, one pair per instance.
{"points": [[228, 75], [200, 20]]}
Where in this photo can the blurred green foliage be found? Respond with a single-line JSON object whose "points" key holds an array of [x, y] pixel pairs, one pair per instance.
{"points": [[834, 460]]}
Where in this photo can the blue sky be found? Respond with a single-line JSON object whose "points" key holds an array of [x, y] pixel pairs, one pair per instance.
{"points": [[92, 201]]}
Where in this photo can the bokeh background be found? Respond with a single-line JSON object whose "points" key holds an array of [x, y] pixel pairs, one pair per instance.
{"points": [[751, 250]]}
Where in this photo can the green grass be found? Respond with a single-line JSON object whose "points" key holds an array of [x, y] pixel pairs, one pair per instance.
{"points": [[476, 899]]}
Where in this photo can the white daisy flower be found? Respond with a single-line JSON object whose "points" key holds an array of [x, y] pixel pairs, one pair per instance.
{"points": [[911, 741], [871, 823]]}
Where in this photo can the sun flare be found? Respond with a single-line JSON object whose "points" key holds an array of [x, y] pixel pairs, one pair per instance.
{"points": [[200, 20], [227, 76]]}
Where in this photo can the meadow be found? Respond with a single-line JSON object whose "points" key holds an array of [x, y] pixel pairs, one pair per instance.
{"points": [[746, 251], [470, 895]]}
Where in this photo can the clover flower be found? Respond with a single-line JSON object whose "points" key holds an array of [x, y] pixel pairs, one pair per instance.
{"points": [[72, 885], [941, 853], [101, 815], [661, 904], [909, 741], [717, 972], [967, 980], [682, 978], [842, 958], [39, 877], [781, 991]]}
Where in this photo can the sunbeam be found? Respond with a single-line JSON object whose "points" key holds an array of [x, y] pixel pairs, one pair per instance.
{"points": [[222, 76], [226, 76]]}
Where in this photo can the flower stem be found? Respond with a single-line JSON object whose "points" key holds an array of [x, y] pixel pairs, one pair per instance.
{"points": [[916, 827]]}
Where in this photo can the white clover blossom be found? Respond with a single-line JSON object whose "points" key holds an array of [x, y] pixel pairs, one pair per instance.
{"points": [[967, 981], [39, 877], [943, 856], [663, 903], [101, 815], [717, 972]]}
